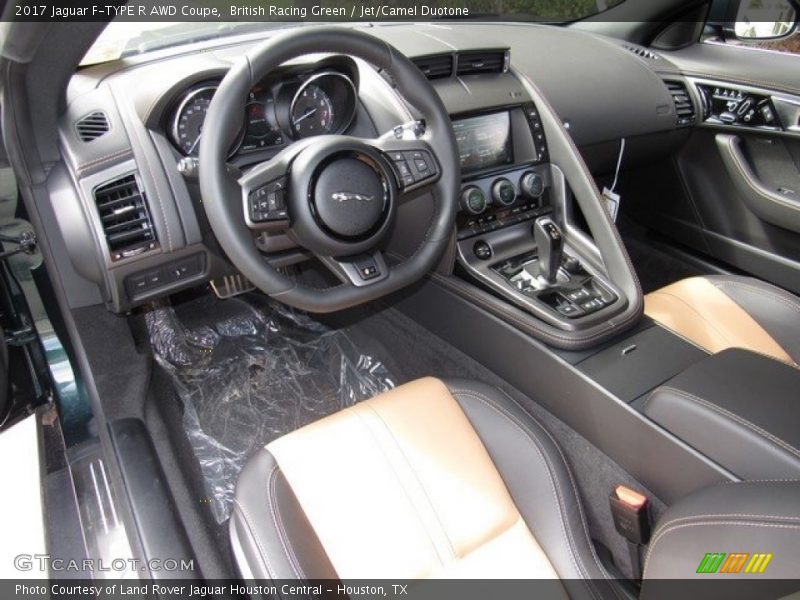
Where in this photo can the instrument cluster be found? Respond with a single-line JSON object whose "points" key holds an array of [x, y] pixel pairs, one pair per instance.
{"points": [[286, 106]]}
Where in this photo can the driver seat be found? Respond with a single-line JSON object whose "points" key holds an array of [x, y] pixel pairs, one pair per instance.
{"points": [[454, 479]]}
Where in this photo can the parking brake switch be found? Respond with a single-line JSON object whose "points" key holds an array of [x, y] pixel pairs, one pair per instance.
{"points": [[550, 247]]}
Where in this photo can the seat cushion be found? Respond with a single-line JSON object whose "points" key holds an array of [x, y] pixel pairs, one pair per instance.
{"points": [[720, 312], [432, 479]]}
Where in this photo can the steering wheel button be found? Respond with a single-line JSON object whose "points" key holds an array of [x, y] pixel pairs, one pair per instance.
{"points": [[421, 165], [402, 168]]}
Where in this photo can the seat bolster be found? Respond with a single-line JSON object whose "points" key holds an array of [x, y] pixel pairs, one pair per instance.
{"points": [[748, 517], [270, 535], [776, 310], [541, 485]]}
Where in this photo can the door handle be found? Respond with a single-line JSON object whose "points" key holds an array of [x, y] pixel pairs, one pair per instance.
{"points": [[780, 207]]}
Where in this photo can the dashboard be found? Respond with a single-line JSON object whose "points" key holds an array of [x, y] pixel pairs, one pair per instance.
{"points": [[154, 107], [291, 104]]}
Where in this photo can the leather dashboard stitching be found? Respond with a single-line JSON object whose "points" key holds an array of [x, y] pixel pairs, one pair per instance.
{"points": [[103, 159]]}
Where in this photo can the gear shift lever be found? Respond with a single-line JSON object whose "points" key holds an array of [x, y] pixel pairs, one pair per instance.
{"points": [[550, 244]]}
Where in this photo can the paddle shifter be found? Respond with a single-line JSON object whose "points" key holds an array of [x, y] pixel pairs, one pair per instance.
{"points": [[550, 245]]}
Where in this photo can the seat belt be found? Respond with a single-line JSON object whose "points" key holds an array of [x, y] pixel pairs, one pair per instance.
{"points": [[632, 521]]}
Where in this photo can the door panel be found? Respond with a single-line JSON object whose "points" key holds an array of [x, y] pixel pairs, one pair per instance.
{"points": [[740, 174]]}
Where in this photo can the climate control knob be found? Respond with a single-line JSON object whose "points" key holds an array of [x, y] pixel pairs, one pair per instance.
{"points": [[503, 192], [532, 184], [473, 200]]}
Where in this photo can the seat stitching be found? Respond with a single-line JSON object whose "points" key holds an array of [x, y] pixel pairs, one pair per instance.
{"points": [[416, 476], [254, 536], [712, 523], [761, 292], [556, 489], [277, 521], [742, 421], [360, 417], [720, 334], [572, 482], [677, 520]]}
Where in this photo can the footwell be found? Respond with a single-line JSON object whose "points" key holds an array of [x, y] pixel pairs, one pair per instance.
{"points": [[249, 371]]}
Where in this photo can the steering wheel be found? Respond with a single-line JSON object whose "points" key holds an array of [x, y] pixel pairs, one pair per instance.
{"points": [[334, 195]]}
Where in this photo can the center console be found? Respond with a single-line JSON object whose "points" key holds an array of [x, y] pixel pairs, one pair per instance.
{"points": [[515, 234]]}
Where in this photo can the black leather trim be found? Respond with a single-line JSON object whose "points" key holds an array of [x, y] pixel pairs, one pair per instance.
{"points": [[776, 310], [540, 483], [270, 534], [769, 205], [738, 408], [753, 516]]}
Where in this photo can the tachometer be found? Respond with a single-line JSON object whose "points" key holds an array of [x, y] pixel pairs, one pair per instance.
{"points": [[188, 126]]}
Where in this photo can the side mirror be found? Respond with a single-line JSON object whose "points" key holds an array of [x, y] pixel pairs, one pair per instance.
{"points": [[765, 19]]}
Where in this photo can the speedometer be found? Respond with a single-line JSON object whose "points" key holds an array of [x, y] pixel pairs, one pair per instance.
{"points": [[188, 125], [324, 103], [312, 112]]}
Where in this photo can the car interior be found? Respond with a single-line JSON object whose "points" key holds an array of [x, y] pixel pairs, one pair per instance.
{"points": [[407, 300]]}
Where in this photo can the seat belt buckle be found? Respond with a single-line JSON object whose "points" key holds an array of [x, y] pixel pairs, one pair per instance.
{"points": [[630, 511]]}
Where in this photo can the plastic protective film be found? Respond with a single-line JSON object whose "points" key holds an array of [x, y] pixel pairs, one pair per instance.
{"points": [[248, 374]]}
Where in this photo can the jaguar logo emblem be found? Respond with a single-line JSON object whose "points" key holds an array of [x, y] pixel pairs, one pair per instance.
{"points": [[348, 196]]}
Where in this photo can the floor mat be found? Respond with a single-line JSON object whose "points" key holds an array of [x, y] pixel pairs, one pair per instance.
{"points": [[250, 371]]}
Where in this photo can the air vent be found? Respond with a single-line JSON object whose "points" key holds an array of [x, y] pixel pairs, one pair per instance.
{"points": [[483, 61], [436, 66], [641, 52], [684, 107], [125, 218], [92, 126]]}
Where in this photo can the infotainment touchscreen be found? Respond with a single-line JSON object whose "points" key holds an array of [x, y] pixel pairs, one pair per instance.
{"points": [[484, 141]]}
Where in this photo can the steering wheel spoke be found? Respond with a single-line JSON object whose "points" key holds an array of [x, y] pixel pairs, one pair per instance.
{"points": [[360, 270], [412, 160], [264, 193]]}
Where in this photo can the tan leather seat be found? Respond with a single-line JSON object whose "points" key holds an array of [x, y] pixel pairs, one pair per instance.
{"points": [[721, 312], [454, 479], [433, 479]]}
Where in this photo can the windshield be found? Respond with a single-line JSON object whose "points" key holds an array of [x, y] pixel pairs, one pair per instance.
{"points": [[124, 37]]}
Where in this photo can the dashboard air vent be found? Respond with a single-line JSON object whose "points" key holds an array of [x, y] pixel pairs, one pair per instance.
{"points": [[92, 126], [684, 107], [436, 66], [125, 217], [482, 61], [641, 52]]}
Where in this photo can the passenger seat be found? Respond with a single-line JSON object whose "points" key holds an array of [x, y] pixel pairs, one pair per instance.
{"points": [[723, 311]]}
